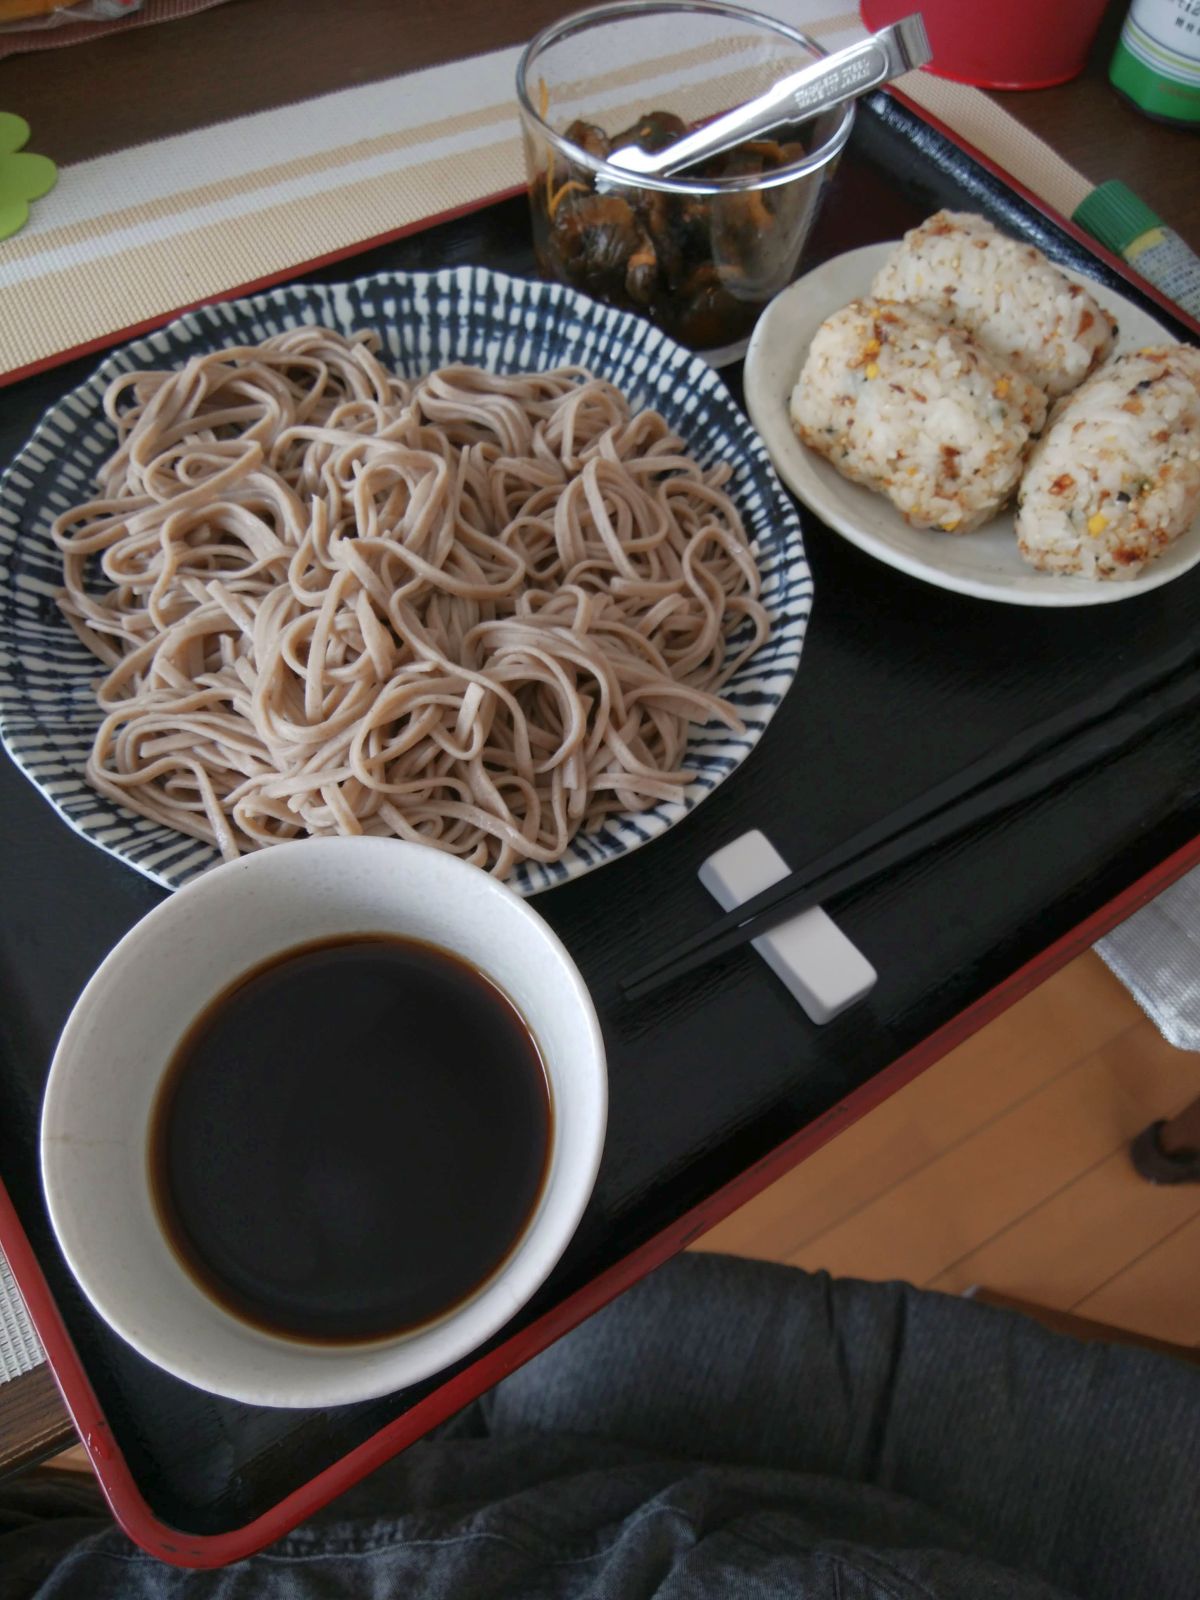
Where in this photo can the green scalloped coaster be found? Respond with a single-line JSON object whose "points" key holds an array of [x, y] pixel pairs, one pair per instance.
{"points": [[23, 176]]}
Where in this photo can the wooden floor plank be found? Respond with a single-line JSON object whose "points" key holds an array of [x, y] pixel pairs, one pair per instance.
{"points": [[1006, 1164], [36, 1421], [1157, 1293], [964, 1197], [1065, 1248], [1072, 1014]]}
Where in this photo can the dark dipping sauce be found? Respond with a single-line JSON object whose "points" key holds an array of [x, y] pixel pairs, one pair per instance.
{"points": [[350, 1139]]}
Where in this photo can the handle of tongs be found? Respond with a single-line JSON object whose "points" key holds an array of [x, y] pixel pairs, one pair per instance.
{"points": [[804, 94]]}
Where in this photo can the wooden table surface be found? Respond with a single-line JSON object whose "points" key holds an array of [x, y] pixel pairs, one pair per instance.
{"points": [[250, 55]]}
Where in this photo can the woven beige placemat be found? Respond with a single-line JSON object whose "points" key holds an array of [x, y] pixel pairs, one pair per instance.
{"points": [[127, 239], [980, 122]]}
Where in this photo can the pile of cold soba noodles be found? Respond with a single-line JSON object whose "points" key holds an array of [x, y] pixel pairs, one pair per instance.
{"points": [[475, 611]]}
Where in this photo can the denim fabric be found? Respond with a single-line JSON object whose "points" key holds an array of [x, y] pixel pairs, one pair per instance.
{"points": [[735, 1429]]}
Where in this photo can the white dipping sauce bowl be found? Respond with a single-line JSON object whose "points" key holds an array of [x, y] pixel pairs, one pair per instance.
{"points": [[132, 1016]]}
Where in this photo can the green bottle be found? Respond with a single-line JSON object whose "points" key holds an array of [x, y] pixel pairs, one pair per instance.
{"points": [[1157, 60]]}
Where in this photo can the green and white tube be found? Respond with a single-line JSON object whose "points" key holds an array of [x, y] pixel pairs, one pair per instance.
{"points": [[1125, 225]]}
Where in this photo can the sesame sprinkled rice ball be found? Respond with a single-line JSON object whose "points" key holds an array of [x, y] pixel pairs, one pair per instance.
{"points": [[1116, 477], [960, 269], [917, 411]]}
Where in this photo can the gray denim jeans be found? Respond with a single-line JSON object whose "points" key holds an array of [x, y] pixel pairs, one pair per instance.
{"points": [[735, 1429]]}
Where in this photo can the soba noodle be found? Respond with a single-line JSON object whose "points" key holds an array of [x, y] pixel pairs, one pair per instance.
{"points": [[475, 611]]}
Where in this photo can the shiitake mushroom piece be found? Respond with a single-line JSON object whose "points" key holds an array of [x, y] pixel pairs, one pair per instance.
{"points": [[641, 273], [655, 131], [658, 214], [708, 314], [588, 137], [602, 244]]}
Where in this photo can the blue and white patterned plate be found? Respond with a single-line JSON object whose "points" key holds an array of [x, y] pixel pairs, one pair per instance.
{"points": [[48, 713]]}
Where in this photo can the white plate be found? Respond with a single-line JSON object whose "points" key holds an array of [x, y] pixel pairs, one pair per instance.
{"points": [[985, 563]]}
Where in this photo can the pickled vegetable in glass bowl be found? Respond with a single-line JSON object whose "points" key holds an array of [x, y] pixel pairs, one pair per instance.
{"points": [[701, 253]]}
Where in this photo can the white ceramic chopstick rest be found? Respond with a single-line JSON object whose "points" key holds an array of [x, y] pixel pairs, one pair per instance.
{"points": [[808, 953]]}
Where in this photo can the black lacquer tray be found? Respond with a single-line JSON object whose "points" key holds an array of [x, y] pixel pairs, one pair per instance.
{"points": [[720, 1082]]}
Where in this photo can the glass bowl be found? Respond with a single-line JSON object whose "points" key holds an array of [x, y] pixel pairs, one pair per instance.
{"points": [[702, 254]]}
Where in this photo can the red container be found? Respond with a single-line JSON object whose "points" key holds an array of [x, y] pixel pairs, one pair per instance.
{"points": [[1003, 44]]}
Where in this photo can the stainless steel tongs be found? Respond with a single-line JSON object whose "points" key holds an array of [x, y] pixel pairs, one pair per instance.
{"points": [[842, 76]]}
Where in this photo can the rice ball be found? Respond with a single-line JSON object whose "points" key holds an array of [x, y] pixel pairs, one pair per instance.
{"points": [[916, 411], [1116, 478], [1017, 304]]}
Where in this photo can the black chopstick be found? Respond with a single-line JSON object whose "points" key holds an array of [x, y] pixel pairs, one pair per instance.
{"points": [[1059, 747], [1015, 753]]}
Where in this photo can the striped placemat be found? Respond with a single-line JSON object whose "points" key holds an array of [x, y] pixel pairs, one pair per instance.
{"points": [[128, 239]]}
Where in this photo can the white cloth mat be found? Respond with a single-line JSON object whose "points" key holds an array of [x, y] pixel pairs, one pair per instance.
{"points": [[1156, 955], [20, 1350]]}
